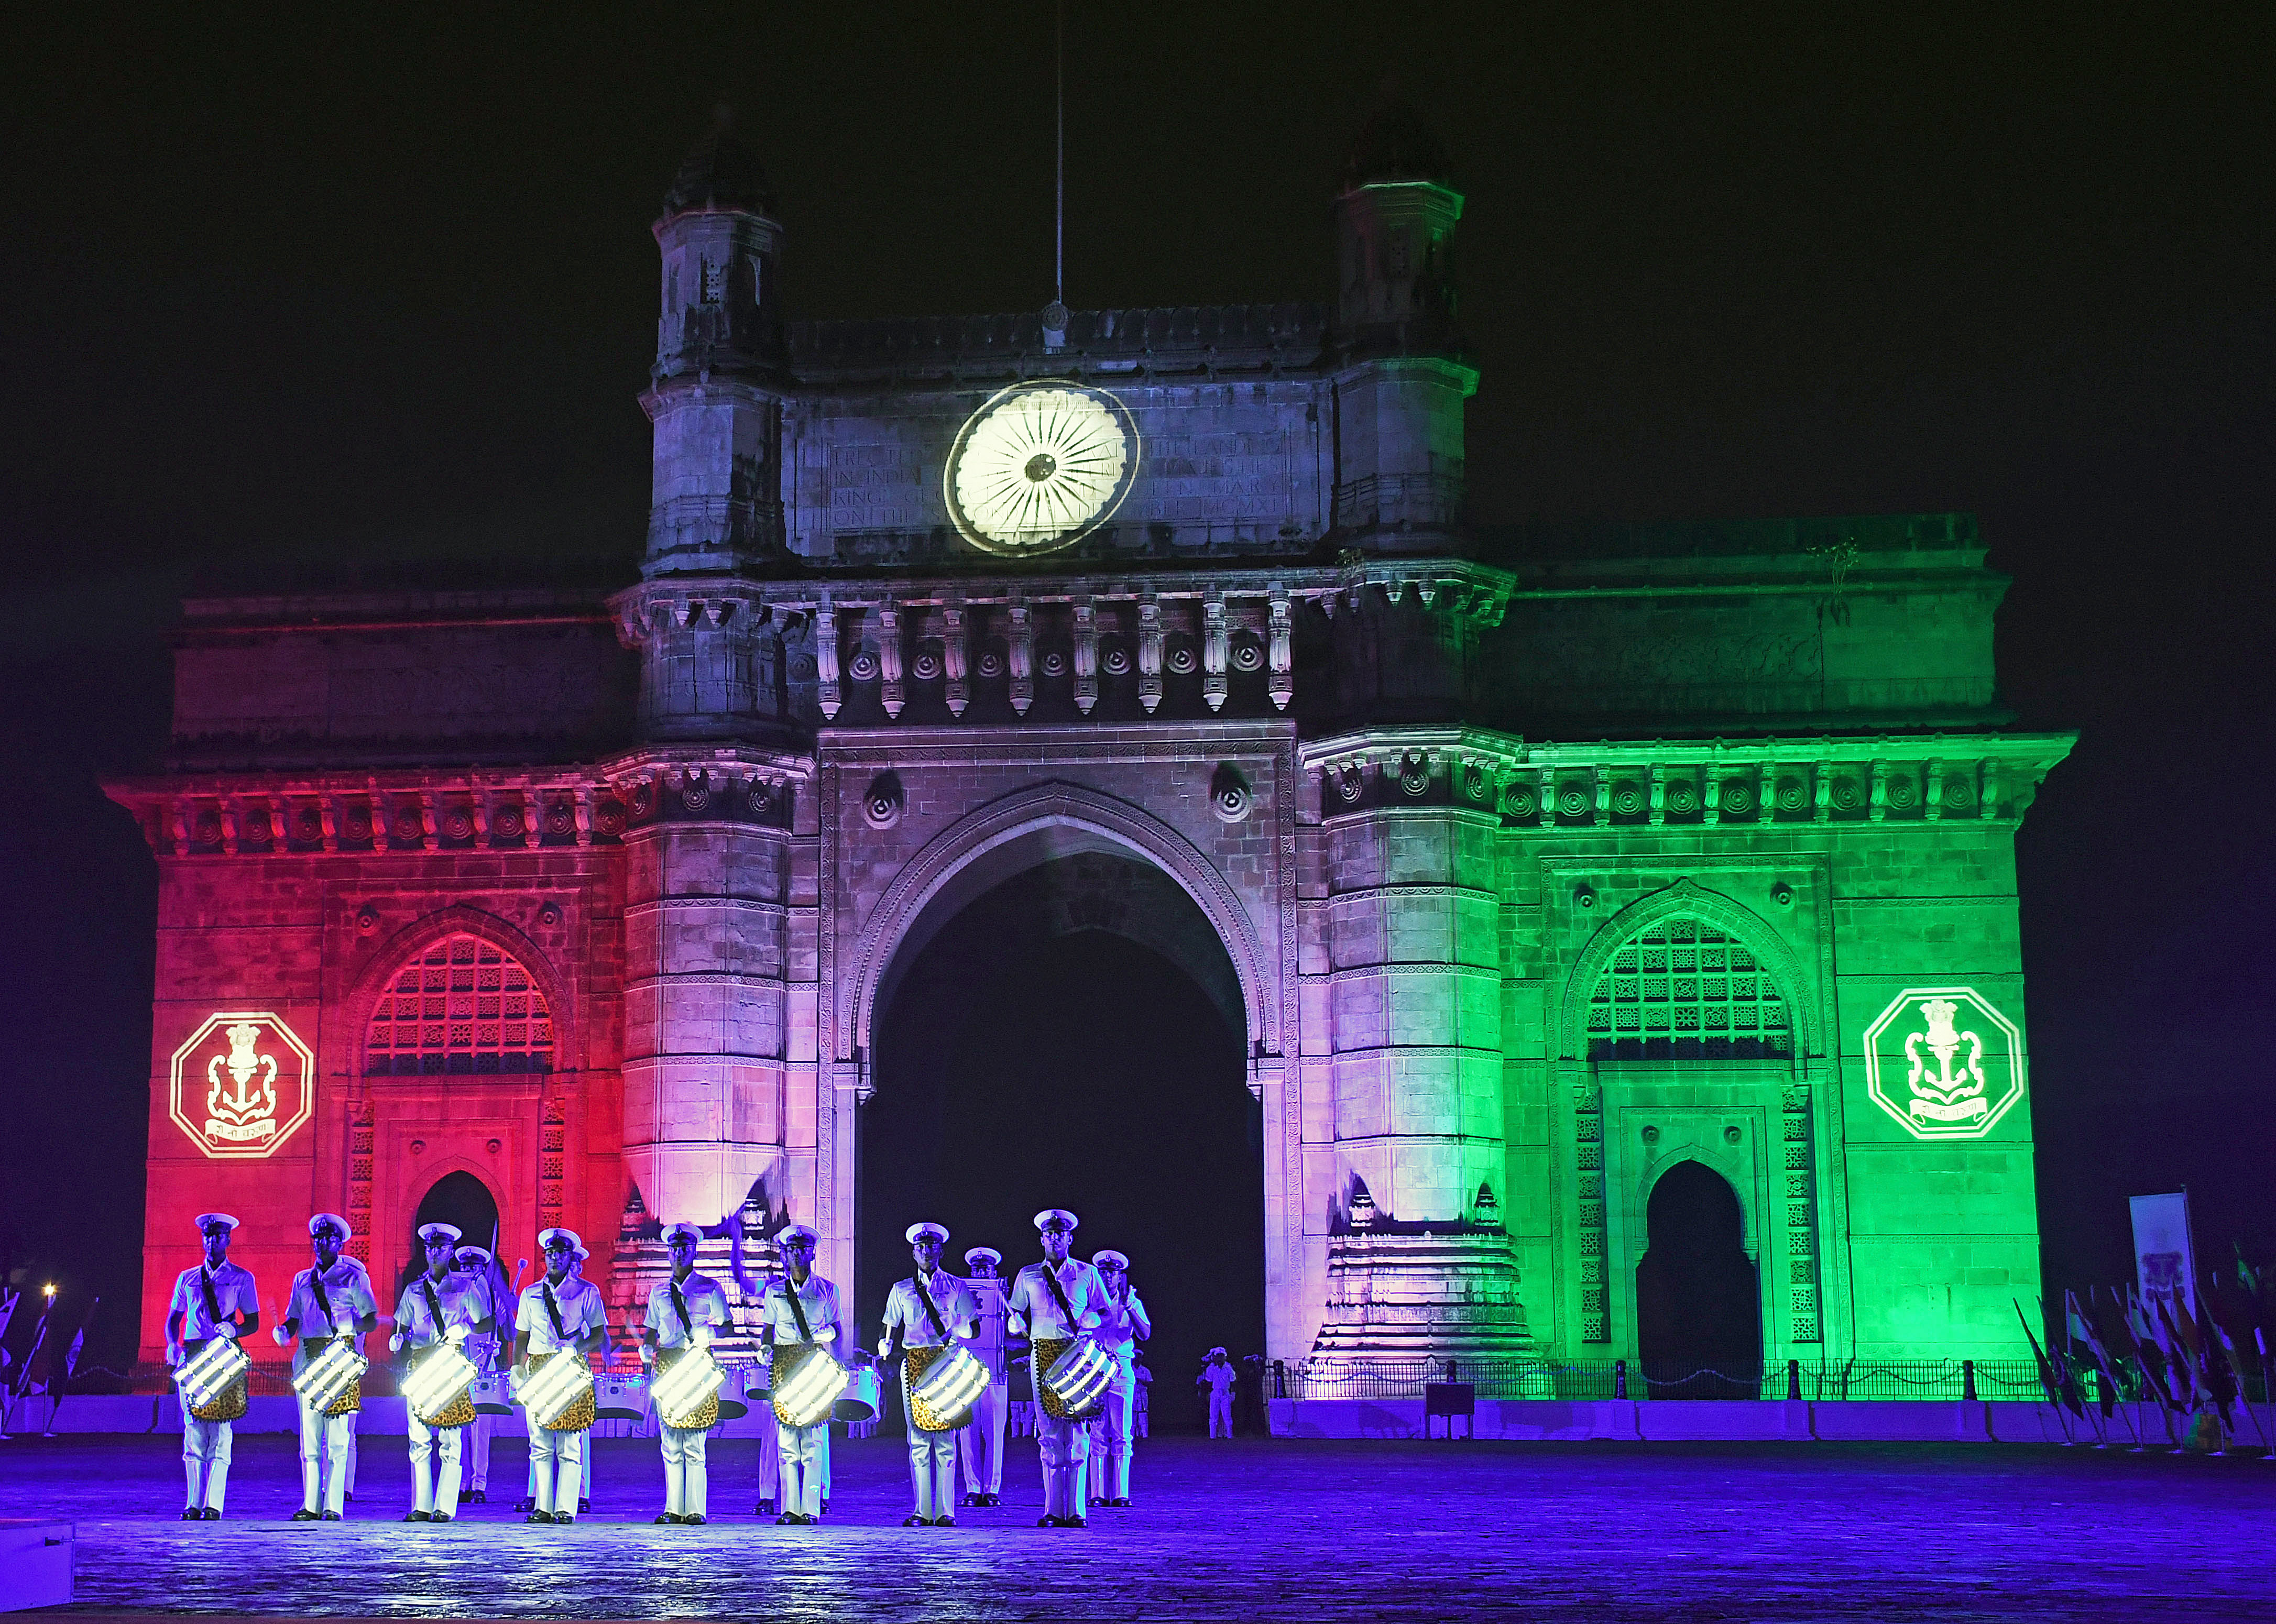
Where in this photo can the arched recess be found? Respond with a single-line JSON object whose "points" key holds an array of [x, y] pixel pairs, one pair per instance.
{"points": [[997, 841], [1688, 897], [1733, 1164], [379, 971]]}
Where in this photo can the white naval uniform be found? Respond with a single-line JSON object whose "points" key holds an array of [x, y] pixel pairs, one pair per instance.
{"points": [[436, 1457], [1218, 1378], [557, 1460], [1120, 1325], [932, 1455], [981, 1441], [325, 1439], [686, 1472], [1032, 1311], [487, 1354], [207, 1445], [803, 1452]]}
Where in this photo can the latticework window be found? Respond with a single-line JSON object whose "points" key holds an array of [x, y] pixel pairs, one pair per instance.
{"points": [[460, 1006], [1683, 990]]}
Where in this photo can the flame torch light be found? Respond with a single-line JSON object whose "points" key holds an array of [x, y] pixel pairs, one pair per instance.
{"points": [[556, 1385], [952, 1386], [812, 1391], [331, 1373], [204, 1378]]}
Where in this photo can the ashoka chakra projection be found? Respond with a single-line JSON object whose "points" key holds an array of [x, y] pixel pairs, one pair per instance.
{"points": [[1040, 466]]}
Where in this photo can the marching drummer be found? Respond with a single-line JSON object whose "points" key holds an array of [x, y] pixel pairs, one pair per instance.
{"points": [[684, 1312], [437, 1303], [475, 1270], [217, 1299], [927, 1313], [1051, 1303], [800, 1310], [1122, 1325], [335, 1293], [560, 1312], [981, 1441]]}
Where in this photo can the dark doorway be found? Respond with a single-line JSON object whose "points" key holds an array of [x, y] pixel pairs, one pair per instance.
{"points": [[458, 1198], [1698, 1304], [1035, 1055]]}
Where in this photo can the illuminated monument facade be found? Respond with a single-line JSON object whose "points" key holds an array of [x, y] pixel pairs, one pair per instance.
{"points": [[1532, 864]]}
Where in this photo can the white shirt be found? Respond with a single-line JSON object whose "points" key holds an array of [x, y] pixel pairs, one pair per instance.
{"points": [[582, 1313], [988, 1347], [348, 1289], [1031, 1310], [461, 1300], [483, 1294], [905, 1308], [817, 1297], [233, 1291], [1120, 1324], [707, 1305]]}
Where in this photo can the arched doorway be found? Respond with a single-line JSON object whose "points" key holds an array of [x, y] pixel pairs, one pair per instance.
{"points": [[1072, 1036], [458, 1198], [1699, 1323]]}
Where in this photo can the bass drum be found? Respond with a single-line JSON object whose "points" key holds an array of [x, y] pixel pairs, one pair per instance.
{"points": [[490, 1395], [859, 1401], [620, 1398]]}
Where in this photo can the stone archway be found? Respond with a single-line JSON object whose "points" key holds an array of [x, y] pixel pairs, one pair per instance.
{"points": [[1698, 1291]]}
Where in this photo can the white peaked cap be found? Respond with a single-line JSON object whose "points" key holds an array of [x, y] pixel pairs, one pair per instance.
{"points": [[1216, 1352], [207, 1220], [672, 1232], [1056, 1217], [925, 1231], [336, 1221], [479, 1253], [1109, 1260], [789, 1233], [547, 1237], [448, 1231], [987, 1252]]}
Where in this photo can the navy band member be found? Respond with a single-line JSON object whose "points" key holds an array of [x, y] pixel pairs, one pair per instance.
{"points": [[686, 1310], [1122, 1325], [800, 1308], [215, 1299], [1217, 1375], [1051, 1303], [927, 1313], [493, 1297], [981, 1441], [331, 1301], [439, 1302], [562, 1310]]}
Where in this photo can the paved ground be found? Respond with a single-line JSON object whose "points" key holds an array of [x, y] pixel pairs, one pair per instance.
{"points": [[1252, 1530]]}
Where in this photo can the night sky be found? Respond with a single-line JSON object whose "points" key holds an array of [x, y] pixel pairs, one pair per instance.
{"points": [[369, 292]]}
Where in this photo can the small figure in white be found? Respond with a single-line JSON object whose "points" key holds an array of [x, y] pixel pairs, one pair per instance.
{"points": [[561, 1314], [1122, 1325], [799, 1314], [217, 1299], [981, 1442], [1218, 1374], [686, 1310], [331, 1302], [926, 1316], [438, 1307]]}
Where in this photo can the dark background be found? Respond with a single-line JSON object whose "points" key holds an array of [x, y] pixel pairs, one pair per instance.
{"points": [[379, 290]]}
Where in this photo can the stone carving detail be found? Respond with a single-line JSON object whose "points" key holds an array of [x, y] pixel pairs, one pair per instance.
{"points": [[1230, 797], [1520, 801], [1414, 775], [1803, 1323], [882, 801]]}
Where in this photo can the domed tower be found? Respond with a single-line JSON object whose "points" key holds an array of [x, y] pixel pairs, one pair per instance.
{"points": [[715, 397], [1399, 401]]}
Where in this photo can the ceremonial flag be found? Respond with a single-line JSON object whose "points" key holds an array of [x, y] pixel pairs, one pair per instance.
{"points": [[2048, 1384]]}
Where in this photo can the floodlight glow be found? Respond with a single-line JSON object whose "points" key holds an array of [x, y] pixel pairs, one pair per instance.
{"points": [[682, 1389], [812, 1391], [1078, 1377], [326, 1378], [206, 1377], [950, 1388], [1040, 466], [555, 1385], [434, 1384]]}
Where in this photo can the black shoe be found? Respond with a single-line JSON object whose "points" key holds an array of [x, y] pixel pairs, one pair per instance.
{"points": [[473, 1497], [347, 1494], [764, 1508], [944, 1522], [419, 1517], [825, 1510], [305, 1516], [438, 1516], [1073, 1522], [1047, 1522], [913, 1521], [193, 1514], [788, 1519], [331, 1516], [669, 1516], [529, 1503], [539, 1516], [213, 1514], [694, 1519]]}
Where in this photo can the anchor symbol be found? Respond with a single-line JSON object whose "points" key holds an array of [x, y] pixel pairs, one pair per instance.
{"points": [[1942, 1096], [248, 1111]]}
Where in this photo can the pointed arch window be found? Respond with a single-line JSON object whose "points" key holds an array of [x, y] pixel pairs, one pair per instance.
{"points": [[1681, 989], [462, 1006]]}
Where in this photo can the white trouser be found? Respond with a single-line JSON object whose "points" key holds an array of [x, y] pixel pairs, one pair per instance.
{"points": [[440, 1446], [348, 1476], [1114, 1433], [205, 1448], [687, 1470], [324, 1458], [982, 1441], [1220, 1414], [478, 1453], [558, 1459], [933, 1461], [770, 1458], [1065, 1449], [803, 1453]]}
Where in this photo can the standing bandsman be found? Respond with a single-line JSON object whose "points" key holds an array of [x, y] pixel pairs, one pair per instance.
{"points": [[489, 1296], [331, 1301], [980, 1440], [1217, 1375], [1122, 1325], [1051, 1303], [684, 1312], [215, 1299], [437, 1303], [798, 1310], [927, 1315], [561, 1311]]}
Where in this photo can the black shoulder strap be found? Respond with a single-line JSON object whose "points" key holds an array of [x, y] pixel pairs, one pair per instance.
{"points": [[1058, 1295], [798, 1309], [553, 1312], [932, 1309], [213, 1303], [679, 1306], [323, 1303], [433, 1307]]}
